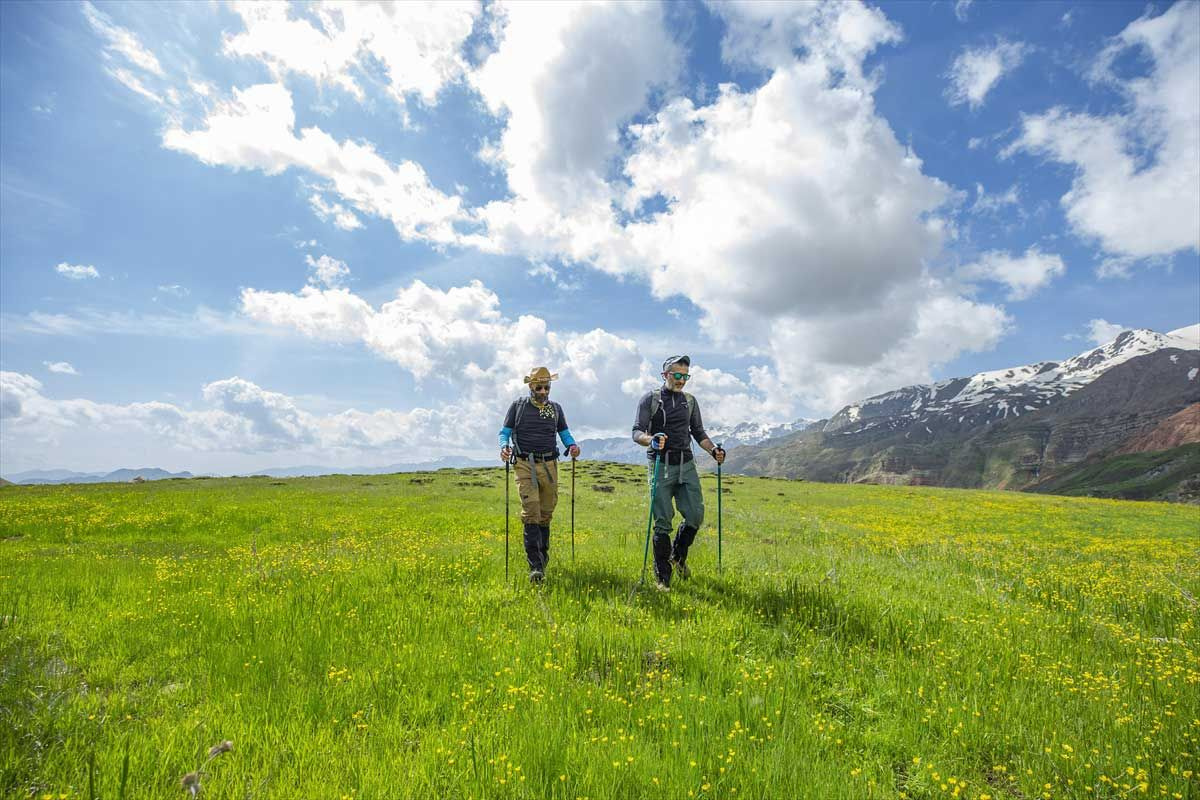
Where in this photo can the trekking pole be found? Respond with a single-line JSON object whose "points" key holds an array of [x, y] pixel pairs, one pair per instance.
{"points": [[506, 464], [650, 514], [722, 449], [572, 509]]}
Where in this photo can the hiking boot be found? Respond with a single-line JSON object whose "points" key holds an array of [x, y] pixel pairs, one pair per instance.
{"points": [[536, 576], [682, 568], [662, 587]]}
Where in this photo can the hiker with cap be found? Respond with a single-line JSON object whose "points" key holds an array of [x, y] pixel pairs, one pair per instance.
{"points": [[667, 419], [527, 442]]}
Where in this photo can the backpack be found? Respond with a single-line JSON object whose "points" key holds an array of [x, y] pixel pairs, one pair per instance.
{"points": [[656, 404]]}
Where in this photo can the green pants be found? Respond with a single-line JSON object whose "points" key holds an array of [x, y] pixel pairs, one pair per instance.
{"points": [[681, 483]]}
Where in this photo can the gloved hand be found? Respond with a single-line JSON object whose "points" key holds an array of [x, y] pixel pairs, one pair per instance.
{"points": [[506, 454], [718, 453], [658, 441]]}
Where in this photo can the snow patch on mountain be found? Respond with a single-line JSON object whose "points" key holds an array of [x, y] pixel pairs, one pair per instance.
{"points": [[990, 395]]}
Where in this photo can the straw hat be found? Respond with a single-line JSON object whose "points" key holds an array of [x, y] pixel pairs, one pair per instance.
{"points": [[540, 375]]}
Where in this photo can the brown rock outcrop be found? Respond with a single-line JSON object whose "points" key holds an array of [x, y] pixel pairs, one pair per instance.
{"points": [[1176, 430]]}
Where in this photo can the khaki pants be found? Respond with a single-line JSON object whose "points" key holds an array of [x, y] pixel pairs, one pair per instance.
{"points": [[538, 498]]}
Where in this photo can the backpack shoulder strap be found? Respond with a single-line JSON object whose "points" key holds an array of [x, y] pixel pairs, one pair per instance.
{"points": [[655, 404], [691, 401], [520, 403]]}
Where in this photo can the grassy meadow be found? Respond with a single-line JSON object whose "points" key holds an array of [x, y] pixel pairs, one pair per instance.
{"points": [[355, 637]]}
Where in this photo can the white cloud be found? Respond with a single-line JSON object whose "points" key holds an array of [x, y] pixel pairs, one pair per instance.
{"points": [[786, 207], [330, 314], [134, 84], [835, 37], [240, 418], [1024, 275], [255, 130], [77, 272], [960, 9], [833, 359], [328, 271], [174, 289], [459, 337], [797, 222], [1101, 331], [976, 71], [200, 323], [336, 213], [121, 41], [555, 276], [60, 367], [986, 203], [1136, 173], [417, 44], [564, 78]]}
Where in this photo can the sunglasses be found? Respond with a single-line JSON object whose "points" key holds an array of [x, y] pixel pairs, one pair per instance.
{"points": [[541, 387], [680, 376]]}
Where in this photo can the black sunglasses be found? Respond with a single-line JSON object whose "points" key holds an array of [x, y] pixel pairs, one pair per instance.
{"points": [[541, 387]]}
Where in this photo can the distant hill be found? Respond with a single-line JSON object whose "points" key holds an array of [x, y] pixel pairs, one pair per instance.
{"points": [[622, 449], [60, 476], [1012, 429]]}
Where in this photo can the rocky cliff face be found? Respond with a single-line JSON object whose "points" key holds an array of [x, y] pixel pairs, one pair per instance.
{"points": [[1174, 431]]}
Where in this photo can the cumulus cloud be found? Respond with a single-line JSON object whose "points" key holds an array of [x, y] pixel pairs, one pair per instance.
{"points": [[460, 337], [241, 418], [60, 367], [328, 271], [976, 71], [1023, 275], [77, 272], [416, 44], [564, 78], [1136, 172], [788, 207], [255, 130]]}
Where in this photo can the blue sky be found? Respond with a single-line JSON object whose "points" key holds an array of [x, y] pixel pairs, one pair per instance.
{"points": [[242, 236]]}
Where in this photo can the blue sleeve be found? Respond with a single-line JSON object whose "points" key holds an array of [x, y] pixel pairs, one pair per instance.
{"points": [[567, 438], [505, 434]]}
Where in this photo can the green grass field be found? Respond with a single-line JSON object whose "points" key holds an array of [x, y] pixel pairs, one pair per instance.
{"points": [[354, 637]]}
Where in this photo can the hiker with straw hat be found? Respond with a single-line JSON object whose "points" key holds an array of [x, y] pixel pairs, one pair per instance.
{"points": [[527, 442]]}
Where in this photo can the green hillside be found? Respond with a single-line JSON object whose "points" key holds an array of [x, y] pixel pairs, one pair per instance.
{"points": [[354, 637], [1161, 475]]}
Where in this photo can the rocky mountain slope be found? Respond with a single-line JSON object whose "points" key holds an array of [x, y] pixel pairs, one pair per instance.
{"points": [[1005, 429]]}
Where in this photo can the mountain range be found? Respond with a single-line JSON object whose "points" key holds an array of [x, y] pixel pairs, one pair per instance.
{"points": [[1031, 427], [58, 476]]}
